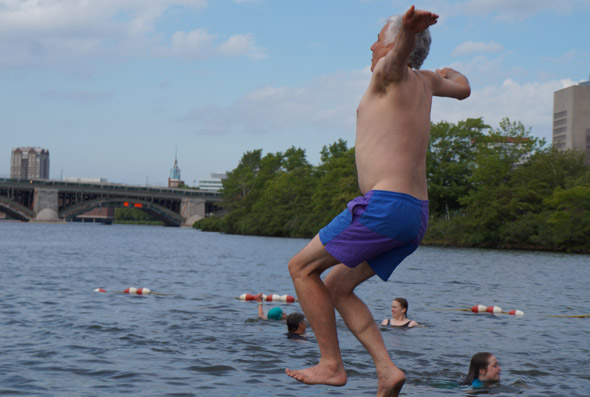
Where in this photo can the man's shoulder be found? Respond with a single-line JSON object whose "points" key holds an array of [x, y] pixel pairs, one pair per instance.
{"points": [[428, 75], [381, 83]]}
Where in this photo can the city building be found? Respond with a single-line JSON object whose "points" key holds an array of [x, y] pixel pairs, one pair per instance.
{"points": [[174, 180], [29, 163], [571, 118], [214, 183]]}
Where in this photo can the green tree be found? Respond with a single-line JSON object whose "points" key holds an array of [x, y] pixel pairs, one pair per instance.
{"points": [[491, 202], [337, 182], [241, 181], [571, 219], [449, 163]]}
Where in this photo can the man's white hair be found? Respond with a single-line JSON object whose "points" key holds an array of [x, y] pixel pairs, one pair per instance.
{"points": [[423, 41]]}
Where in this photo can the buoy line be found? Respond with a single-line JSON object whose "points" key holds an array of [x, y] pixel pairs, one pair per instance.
{"points": [[132, 291], [488, 309], [269, 298], [573, 316], [498, 310]]}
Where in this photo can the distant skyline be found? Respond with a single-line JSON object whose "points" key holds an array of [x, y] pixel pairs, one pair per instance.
{"points": [[111, 88]]}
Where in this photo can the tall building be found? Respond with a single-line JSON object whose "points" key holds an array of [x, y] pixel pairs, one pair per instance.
{"points": [[571, 118], [174, 180], [29, 163]]}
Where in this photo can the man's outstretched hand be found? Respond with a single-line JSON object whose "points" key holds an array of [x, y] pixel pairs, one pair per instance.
{"points": [[416, 21]]}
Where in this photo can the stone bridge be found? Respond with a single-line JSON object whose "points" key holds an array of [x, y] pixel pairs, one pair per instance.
{"points": [[59, 201]]}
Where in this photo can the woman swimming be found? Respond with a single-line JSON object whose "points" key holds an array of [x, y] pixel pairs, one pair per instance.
{"points": [[399, 310], [484, 367]]}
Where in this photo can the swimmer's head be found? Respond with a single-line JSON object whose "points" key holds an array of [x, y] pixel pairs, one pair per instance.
{"points": [[403, 304], [276, 313], [483, 366], [294, 321]]}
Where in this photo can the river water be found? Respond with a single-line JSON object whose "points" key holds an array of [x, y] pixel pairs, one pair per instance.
{"points": [[60, 338]]}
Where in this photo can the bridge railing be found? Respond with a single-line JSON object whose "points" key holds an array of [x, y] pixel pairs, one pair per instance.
{"points": [[112, 186]]}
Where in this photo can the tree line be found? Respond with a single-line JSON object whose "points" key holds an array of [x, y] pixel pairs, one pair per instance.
{"points": [[494, 187]]}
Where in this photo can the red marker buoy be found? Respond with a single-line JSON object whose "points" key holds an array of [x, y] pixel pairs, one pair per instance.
{"points": [[100, 290], [247, 297], [494, 309], [273, 298], [137, 291], [287, 298], [478, 308], [516, 313]]}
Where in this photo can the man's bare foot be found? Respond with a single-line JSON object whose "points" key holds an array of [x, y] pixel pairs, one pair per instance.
{"points": [[319, 375], [390, 382]]}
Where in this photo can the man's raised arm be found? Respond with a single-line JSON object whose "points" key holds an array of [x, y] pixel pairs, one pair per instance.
{"points": [[413, 22]]}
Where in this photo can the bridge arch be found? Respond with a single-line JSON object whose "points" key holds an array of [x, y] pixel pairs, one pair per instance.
{"points": [[168, 217], [16, 210]]}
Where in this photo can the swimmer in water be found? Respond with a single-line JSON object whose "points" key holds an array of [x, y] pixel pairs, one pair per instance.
{"points": [[484, 368], [296, 326], [399, 310], [276, 313]]}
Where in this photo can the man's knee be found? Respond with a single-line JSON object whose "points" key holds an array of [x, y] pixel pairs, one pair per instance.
{"points": [[294, 267]]}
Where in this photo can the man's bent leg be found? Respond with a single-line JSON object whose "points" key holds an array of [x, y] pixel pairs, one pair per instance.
{"points": [[341, 283], [316, 302]]}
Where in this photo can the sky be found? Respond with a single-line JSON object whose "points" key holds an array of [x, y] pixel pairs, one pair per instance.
{"points": [[116, 89]]}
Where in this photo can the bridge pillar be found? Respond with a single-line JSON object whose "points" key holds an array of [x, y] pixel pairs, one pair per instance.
{"points": [[45, 205], [192, 210]]}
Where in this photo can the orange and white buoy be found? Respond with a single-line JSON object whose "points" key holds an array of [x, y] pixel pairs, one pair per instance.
{"points": [[272, 298], [247, 297], [516, 313], [100, 290], [287, 298], [484, 309], [137, 291]]}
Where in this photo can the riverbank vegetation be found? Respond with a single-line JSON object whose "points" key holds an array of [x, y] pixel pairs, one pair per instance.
{"points": [[488, 187], [135, 216]]}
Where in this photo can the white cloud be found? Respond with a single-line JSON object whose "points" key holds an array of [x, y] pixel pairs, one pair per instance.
{"points": [[193, 44], [471, 47], [241, 44], [65, 33], [325, 105], [530, 103]]}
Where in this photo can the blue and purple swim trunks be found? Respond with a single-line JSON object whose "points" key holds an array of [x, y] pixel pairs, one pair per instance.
{"points": [[381, 228]]}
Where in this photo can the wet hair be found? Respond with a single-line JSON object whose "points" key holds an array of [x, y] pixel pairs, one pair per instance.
{"points": [[478, 361], [422, 46], [403, 302], [293, 321]]}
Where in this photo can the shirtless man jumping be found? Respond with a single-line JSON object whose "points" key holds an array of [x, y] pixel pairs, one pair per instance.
{"points": [[378, 230]]}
